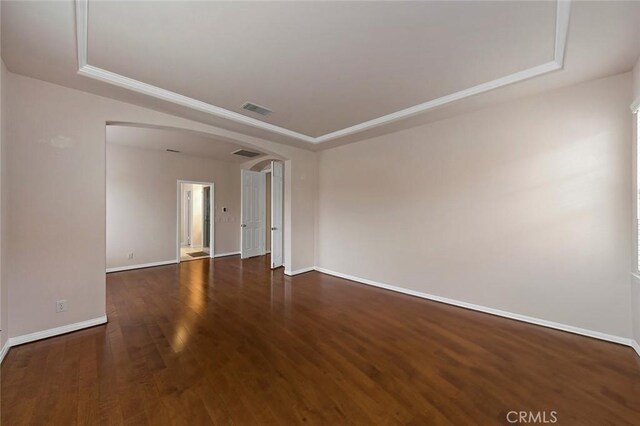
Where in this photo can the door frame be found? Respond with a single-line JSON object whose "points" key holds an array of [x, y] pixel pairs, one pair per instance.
{"points": [[211, 219], [267, 248], [188, 213], [273, 205], [264, 211], [268, 169]]}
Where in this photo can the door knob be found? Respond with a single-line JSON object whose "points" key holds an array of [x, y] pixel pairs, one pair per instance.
{"points": [[243, 226], [273, 228]]}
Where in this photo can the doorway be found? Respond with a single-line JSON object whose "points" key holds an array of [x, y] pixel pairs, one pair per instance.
{"points": [[262, 232], [195, 233]]}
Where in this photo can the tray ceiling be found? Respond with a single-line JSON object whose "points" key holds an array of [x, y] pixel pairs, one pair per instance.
{"points": [[326, 69]]}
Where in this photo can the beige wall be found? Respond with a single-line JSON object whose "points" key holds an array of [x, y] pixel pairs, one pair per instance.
{"points": [[56, 155], [636, 81], [4, 311], [56, 208], [4, 287], [301, 178], [522, 207], [635, 307], [141, 203], [635, 280]]}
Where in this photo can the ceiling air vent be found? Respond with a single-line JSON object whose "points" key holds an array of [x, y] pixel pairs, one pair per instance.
{"points": [[172, 150], [256, 108], [245, 153]]}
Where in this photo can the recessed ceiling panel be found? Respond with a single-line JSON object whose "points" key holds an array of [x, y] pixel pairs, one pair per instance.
{"points": [[319, 66]]}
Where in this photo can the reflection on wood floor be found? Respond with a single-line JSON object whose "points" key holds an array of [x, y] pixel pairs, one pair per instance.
{"points": [[231, 342], [186, 253]]}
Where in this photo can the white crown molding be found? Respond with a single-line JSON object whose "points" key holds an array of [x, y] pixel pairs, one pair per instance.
{"points": [[563, 11], [82, 31], [415, 110], [176, 98]]}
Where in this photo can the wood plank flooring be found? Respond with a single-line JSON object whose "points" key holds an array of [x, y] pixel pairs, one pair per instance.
{"points": [[230, 342]]}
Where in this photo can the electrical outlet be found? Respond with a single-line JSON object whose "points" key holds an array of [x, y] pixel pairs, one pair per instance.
{"points": [[130, 255], [61, 306]]}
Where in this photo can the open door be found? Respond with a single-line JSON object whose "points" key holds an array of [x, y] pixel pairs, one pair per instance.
{"points": [[187, 219], [277, 207], [253, 214], [206, 217], [195, 227]]}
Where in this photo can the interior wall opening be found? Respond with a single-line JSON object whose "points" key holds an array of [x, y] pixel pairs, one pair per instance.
{"points": [[195, 228], [145, 166], [263, 212]]}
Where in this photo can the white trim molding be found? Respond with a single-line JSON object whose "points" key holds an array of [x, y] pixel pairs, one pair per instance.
{"points": [[212, 227], [518, 317], [299, 271], [64, 329], [140, 266], [82, 31], [4, 350], [161, 263], [232, 253], [563, 12]]}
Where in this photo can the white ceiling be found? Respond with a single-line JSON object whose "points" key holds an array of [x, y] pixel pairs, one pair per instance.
{"points": [[188, 143], [321, 66]]}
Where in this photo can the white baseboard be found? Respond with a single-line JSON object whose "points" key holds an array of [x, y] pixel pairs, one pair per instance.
{"points": [[19, 340], [233, 253], [161, 263], [492, 311], [4, 350], [299, 271], [26, 338], [635, 106], [140, 266], [39, 335]]}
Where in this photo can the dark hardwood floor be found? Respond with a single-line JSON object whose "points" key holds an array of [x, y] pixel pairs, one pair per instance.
{"points": [[230, 342]]}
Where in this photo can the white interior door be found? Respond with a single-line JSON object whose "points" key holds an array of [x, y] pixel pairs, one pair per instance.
{"points": [[253, 213], [277, 208], [187, 218]]}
